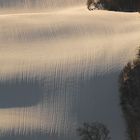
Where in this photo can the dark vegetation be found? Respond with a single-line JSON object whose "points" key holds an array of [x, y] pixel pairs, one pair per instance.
{"points": [[115, 5], [93, 131], [130, 97]]}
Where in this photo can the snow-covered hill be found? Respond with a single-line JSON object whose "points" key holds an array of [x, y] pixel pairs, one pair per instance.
{"points": [[70, 59]]}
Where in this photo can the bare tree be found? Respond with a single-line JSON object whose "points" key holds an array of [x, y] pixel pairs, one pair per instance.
{"points": [[96, 3], [94, 131]]}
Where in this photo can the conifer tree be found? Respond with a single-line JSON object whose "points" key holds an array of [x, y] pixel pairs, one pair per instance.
{"points": [[129, 82]]}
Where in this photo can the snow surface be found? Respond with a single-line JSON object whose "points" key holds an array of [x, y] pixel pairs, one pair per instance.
{"points": [[73, 57]]}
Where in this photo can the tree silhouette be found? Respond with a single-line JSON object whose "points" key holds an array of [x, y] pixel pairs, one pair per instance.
{"points": [[93, 131], [130, 96]]}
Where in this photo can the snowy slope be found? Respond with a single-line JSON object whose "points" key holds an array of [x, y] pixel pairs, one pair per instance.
{"points": [[22, 6], [70, 59]]}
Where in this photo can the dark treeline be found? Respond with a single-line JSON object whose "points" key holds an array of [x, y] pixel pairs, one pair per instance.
{"points": [[115, 5]]}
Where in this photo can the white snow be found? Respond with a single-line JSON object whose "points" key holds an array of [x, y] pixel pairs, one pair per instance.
{"points": [[76, 55]]}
